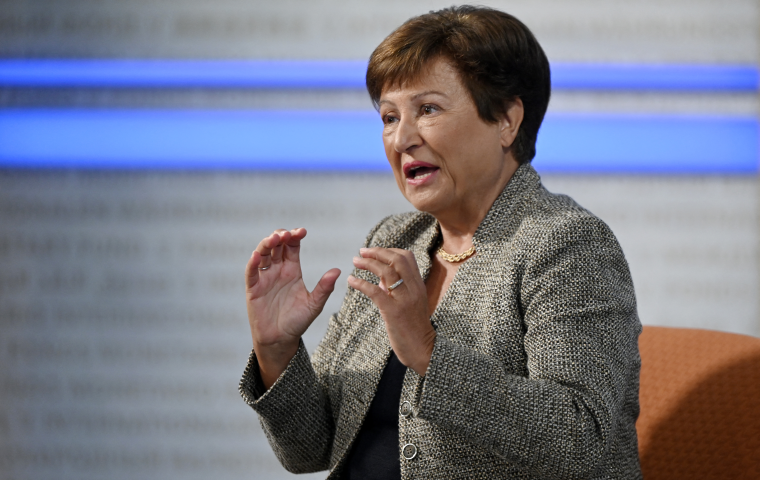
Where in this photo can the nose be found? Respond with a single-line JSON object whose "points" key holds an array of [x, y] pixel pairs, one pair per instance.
{"points": [[407, 135]]}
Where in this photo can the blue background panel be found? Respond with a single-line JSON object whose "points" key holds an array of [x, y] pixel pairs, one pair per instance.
{"points": [[278, 140], [648, 144], [351, 141], [347, 74]]}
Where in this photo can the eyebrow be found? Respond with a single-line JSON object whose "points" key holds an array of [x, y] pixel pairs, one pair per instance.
{"points": [[428, 92], [418, 95]]}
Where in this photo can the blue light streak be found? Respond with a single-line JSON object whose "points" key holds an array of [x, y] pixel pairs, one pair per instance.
{"points": [[351, 141], [717, 78], [183, 73], [287, 74]]}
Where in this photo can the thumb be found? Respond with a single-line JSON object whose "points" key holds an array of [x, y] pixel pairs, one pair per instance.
{"points": [[322, 291]]}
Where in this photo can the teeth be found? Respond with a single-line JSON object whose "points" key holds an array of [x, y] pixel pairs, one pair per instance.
{"points": [[413, 172]]}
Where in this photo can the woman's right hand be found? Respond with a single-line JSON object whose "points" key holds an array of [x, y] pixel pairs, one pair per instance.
{"points": [[280, 308]]}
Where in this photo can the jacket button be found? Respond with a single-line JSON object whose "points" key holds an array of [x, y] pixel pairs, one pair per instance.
{"points": [[406, 409], [409, 451]]}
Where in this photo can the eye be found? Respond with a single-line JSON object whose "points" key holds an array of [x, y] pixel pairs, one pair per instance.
{"points": [[389, 118], [428, 109]]}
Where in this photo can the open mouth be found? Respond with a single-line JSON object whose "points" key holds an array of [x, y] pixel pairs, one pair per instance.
{"points": [[418, 170]]}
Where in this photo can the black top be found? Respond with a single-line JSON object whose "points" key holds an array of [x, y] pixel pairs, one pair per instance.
{"points": [[375, 454]]}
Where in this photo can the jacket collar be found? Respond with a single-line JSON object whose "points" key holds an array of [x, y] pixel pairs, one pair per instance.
{"points": [[503, 217]]}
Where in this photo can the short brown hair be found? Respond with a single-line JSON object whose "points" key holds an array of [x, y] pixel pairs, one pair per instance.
{"points": [[497, 57]]}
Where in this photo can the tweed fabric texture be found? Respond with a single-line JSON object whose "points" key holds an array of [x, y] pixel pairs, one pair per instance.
{"points": [[535, 369]]}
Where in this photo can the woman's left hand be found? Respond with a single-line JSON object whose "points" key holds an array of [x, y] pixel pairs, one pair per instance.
{"points": [[405, 308]]}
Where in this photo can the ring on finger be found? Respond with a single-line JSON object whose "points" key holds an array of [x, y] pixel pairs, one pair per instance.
{"points": [[265, 268], [396, 285]]}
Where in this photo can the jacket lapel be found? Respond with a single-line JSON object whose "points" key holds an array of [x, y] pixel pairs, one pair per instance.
{"points": [[362, 373]]}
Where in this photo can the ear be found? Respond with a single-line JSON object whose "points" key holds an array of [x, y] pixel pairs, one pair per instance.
{"points": [[510, 122]]}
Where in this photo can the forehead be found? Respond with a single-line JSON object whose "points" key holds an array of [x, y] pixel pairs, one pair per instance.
{"points": [[436, 76]]}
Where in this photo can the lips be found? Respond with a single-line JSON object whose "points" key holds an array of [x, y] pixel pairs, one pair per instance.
{"points": [[418, 170]]}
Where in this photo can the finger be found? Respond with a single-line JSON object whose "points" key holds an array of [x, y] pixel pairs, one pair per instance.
{"points": [[264, 249], [292, 249], [402, 261], [297, 234], [407, 263], [252, 270], [284, 237], [387, 273], [267, 243], [322, 291], [398, 288], [374, 292]]}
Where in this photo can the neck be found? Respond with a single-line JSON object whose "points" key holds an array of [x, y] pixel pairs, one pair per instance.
{"points": [[459, 226], [456, 240]]}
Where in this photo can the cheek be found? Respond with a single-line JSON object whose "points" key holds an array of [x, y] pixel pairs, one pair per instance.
{"points": [[476, 138], [452, 143], [473, 156]]}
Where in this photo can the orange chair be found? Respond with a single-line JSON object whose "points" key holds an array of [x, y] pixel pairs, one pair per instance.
{"points": [[700, 405]]}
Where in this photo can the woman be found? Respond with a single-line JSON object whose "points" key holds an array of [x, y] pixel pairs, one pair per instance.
{"points": [[491, 334]]}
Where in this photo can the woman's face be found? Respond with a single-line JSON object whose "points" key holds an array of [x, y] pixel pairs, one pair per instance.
{"points": [[446, 159]]}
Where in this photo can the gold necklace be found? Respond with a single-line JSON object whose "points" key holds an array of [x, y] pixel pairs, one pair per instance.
{"points": [[458, 257]]}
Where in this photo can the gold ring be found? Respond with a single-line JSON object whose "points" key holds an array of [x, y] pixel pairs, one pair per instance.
{"points": [[395, 285]]}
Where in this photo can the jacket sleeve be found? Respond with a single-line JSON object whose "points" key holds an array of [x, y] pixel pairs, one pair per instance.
{"points": [[296, 413], [581, 334]]}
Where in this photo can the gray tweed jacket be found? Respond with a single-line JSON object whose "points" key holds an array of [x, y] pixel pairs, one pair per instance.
{"points": [[535, 369]]}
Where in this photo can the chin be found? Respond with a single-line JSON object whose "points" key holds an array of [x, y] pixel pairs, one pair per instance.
{"points": [[426, 203]]}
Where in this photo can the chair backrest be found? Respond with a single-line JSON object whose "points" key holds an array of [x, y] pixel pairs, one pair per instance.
{"points": [[700, 405]]}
